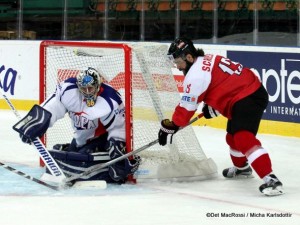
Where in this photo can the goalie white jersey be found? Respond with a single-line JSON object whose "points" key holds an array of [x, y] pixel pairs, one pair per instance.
{"points": [[107, 115]]}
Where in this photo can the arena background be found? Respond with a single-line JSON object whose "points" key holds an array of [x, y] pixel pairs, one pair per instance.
{"points": [[276, 66]]}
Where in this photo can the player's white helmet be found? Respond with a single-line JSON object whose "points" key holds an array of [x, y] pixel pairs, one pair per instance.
{"points": [[88, 82]]}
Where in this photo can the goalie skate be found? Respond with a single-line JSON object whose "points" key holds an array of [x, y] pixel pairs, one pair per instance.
{"points": [[238, 173], [272, 187]]}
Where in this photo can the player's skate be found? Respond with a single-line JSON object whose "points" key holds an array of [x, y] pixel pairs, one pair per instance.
{"points": [[238, 173], [272, 186]]}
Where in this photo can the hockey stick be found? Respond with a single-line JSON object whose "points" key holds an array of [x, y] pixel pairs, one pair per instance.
{"points": [[43, 152], [111, 162], [18, 172]]}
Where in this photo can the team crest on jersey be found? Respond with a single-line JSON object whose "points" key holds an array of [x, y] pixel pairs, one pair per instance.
{"points": [[81, 122], [188, 98], [90, 102]]}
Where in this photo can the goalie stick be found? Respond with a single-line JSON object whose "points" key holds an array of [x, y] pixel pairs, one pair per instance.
{"points": [[109, 163], [18, 172], [40, 147], [99, 184]]}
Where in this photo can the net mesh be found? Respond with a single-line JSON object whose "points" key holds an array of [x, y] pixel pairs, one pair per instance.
{"points": [[154, 97]]}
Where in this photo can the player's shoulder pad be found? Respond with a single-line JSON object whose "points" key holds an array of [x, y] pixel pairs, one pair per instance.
{"points": [[109, 93], [68, 84]]}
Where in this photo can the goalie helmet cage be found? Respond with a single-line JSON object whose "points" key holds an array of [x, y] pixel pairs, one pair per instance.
{"points": [[143, 76]]}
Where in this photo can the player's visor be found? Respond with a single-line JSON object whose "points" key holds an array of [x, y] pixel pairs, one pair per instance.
{"points": [[171, 58], [176, 61]]}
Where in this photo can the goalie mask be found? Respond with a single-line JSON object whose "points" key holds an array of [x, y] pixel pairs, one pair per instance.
{"points": [[179, 49], [88, 82]]}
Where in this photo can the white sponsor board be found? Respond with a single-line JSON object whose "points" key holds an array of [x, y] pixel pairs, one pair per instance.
{"points": [[19, 69]]}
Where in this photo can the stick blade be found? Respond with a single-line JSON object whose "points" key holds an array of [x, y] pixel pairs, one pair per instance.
{"points": [[46, 177]]}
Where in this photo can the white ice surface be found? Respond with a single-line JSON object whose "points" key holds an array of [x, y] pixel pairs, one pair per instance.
{"points": [[23, 202]]}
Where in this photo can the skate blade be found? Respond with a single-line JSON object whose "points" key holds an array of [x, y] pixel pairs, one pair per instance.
{"points": [[244, 176], [240, 177], [273, 192]]}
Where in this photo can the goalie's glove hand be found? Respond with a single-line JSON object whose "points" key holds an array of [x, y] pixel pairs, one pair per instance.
{"points": [[167, 129], [209, 112], [34, 124]]}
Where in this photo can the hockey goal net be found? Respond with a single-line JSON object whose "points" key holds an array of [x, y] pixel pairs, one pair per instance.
{"points": [[144, 78]]}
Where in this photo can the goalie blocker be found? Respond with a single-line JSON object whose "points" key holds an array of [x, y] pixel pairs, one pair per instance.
{"points": [[34, 124]]}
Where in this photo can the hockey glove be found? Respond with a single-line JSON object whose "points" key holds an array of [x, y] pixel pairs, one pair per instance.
{"points": [[34, 124], [120, 170], [209, 112], [167, 129]]}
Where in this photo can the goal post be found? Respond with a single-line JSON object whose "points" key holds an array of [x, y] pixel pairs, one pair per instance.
{"points": [[143, 76], [66, 69]]}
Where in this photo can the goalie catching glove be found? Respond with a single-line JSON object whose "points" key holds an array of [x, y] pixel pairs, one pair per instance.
{"points": [[167, 129], [34, 124], [120, 170], [209, 112]]}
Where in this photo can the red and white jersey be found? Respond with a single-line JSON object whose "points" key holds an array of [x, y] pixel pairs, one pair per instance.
{"points": [[107, 115], [217, 81]]}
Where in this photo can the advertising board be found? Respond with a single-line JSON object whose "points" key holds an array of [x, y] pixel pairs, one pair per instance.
{"points": [[277, 67]]}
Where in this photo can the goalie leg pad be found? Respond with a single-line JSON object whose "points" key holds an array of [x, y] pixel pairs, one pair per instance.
{"points": [[34, 124], [120, 170], [73, 163]]}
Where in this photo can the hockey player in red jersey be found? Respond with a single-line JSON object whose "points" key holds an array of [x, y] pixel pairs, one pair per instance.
{"points": [[228, 88]]}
